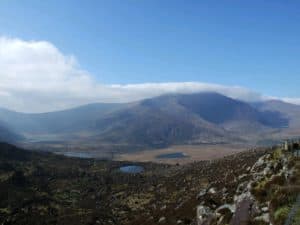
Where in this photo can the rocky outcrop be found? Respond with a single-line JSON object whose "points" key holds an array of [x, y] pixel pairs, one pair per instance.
{"points": [[248, 198]]}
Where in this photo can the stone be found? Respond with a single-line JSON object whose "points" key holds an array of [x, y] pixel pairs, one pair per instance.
{"points": [[224, 190], [242, 213], [231, 208], [264, 217], [212, 191], [163, 207], [204, 215], [258, 164], [162, 219], [242, 176], [201, 193]]}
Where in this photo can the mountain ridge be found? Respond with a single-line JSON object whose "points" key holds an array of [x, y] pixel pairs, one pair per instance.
{"points": [[198, 118]]}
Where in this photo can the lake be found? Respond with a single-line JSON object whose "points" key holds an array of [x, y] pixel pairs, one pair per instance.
{"points": [[175, 155], [132, 169], [78, 154]]}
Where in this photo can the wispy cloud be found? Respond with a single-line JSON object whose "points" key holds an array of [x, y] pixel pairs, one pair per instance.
{"points": [[36, 77], [291, 100]]}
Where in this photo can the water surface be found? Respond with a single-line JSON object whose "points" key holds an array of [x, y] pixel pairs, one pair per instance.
{"points": [[78, 154], [132, 169], [175, 155]]}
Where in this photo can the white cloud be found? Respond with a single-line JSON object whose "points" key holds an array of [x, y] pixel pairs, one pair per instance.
{"points": [[295, 101], [36, 77]]}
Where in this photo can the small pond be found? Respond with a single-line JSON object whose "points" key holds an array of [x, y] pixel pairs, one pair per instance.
{"points": [[297, 153], [131, 169], [175, 155], [78, 154]]}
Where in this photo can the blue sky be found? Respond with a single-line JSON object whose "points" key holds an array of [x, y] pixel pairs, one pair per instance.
{"points": [[254, 44]]}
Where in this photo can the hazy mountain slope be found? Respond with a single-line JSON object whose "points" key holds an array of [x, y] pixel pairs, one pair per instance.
{"points": [[220, 109], [290, 111], [151, 126], [71, 120], [156, 122], [8, 135], [189, 118]]}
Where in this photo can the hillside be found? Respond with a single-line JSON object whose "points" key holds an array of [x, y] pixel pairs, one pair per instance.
{"points": [[6, 134], [42, 188], [290, 111], [267, 193], [72, 120]]}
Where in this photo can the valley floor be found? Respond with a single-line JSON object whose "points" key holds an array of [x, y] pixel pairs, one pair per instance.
{"points": [[191, 153]]}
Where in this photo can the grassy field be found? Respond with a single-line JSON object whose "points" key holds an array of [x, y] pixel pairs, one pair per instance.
{"points": [[192, 152]]}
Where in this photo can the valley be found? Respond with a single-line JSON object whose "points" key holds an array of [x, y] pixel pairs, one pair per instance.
{"points": [[190, 153], [149, 112], [204, 121], [174, 159]]}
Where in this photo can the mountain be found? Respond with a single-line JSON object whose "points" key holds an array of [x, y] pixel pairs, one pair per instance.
{"points": [[158, 122], [187, 119], [6, 134], [69, 121], [219, 109], [290, 111]]}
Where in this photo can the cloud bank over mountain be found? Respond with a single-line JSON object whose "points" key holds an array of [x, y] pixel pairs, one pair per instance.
{"points": [[35, 76]]}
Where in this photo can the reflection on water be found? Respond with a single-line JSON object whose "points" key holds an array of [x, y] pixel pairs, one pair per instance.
{"points": [[78, 154], [175, 155], [132, 169]]}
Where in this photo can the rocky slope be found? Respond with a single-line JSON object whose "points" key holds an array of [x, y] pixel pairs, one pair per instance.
{"points": [[42, 188], [265, 194]]}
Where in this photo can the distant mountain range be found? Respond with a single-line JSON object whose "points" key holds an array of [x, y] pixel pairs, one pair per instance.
{"points": [[158, 122]]}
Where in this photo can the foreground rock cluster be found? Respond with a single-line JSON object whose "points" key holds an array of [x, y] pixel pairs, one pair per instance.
{"points": [[264, 194]]}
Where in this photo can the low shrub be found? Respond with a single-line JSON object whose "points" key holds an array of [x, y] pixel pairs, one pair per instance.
{"points": [[281, 214]]}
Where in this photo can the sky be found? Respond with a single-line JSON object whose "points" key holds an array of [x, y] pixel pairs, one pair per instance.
{"points": [[60, 54]]}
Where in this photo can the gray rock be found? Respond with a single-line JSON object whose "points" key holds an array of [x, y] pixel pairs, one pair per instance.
{"points": [[264, 217], [212, 191], [201, 193], [204, 215], [226, 206], [162, 220], [163, 207], [224, 190]]}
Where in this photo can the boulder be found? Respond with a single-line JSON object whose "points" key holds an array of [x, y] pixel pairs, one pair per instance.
{"points": [[205, 215], [162, 219]]}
